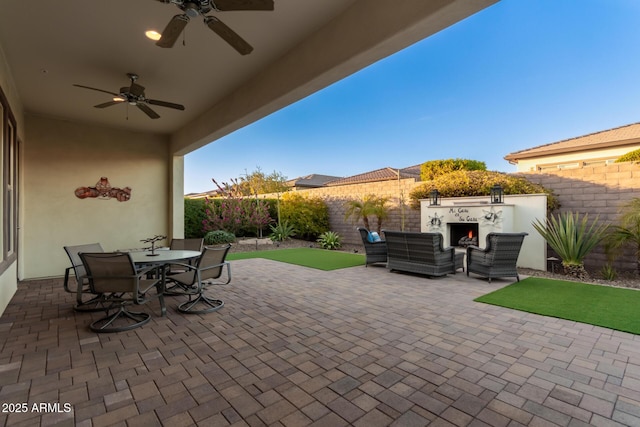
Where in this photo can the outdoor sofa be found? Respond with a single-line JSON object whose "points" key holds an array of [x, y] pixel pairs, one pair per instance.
{"points": [[421, 253]]}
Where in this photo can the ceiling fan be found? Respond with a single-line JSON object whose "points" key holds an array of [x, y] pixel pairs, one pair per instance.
{"points": [[134, 95], [193, 8]]}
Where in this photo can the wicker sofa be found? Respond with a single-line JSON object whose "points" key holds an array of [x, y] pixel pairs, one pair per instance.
{"points": [[374, 252], [421, 253], [498, 258]]}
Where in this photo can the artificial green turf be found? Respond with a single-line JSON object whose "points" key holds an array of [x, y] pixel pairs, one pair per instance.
{"points": [[321, 259], [614, 308]]}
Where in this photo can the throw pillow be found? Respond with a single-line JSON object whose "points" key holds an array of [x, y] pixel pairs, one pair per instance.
{"points": [[373, 237]]}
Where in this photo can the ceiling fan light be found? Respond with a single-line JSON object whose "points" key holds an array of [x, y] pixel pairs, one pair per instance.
{"points": [[153, 35], [118, 99]]}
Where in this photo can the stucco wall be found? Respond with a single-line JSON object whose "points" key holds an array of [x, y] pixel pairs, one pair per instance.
{"points": [[599, 190], [532, 165], [59, 157]]}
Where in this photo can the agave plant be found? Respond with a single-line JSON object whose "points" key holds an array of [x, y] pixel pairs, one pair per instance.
{"points": [[572, 238], [330, 240], [627, 233]]}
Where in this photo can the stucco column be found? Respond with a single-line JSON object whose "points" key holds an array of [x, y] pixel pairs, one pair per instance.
{"points": [[176, 199]]}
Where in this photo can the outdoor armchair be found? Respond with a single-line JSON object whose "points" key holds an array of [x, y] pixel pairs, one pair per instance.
{"points": [[114, 276], [498, 258], [197, 277], [374, 251]]}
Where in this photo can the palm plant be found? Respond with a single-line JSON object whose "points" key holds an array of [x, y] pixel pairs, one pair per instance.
{"points": [[370, 205], [572, 238], [627, 233]]}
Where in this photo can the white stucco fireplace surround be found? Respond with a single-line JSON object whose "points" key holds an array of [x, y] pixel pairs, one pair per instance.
{"points": [[457, 216]]}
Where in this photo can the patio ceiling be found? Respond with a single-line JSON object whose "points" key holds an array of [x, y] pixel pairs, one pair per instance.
{"points": [[300, 47]]}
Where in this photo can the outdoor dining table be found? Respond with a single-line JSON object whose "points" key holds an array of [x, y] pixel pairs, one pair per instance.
{"points": [[161, 257]]}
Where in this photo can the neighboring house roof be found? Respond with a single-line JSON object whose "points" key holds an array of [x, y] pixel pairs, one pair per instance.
{"points": [[623, 135], [384, 174], [311, 181], [212, 193]]}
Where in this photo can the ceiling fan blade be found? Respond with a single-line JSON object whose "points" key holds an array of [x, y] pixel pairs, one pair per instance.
{"points": [[224, 5], [148, 111], [165, 104], [107, 104], [172, 31], [228, 35], [99, 90]]}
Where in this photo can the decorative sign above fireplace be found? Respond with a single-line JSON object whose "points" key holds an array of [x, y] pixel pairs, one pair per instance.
{"points": [[465, 221]]}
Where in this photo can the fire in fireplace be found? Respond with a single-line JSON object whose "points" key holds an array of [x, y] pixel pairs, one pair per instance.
{"points": [[463, 234]]}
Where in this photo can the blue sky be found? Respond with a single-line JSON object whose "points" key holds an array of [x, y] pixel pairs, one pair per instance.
{"points": [[516, 75]]}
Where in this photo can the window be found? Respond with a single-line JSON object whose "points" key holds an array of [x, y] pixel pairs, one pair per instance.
{"points": [[9, 176]]}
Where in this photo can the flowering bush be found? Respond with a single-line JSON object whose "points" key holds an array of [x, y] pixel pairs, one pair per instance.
{"points": [[235, 214]]}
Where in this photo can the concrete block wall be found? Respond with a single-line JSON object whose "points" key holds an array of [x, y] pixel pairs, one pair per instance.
{"points": [[596, 190], [336, 198]]}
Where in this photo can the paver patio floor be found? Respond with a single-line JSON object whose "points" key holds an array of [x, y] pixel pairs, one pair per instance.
{"points": [[295, 346]]}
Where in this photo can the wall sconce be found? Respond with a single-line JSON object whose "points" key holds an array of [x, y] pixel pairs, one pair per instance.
{"points": [[497, 194], [434, 197]]}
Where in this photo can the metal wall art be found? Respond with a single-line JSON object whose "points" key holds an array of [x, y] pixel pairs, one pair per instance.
{"points": [[103, 190]]}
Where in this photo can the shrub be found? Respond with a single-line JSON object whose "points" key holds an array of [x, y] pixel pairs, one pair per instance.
{"points": [[309, 216], [330, 240], [608, 272], [572, 239], [282, 231], [194, 214], [219, 237], [627, 232], [478, 183], [434, 168], [632, 156]]}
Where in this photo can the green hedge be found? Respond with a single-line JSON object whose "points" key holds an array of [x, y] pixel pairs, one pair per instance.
{"points": [[309, 216], [632, 156], [194, 214], [479, 183], [435, 168]]}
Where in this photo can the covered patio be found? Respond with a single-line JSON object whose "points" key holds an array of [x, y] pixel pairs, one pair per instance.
{"points": [[295, 346]]}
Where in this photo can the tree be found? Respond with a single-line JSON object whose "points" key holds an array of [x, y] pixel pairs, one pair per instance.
{"points": [[369, 206], [627, 233], [257, 182]]}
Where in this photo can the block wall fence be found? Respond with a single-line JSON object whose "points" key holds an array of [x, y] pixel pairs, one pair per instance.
{"points": [[336, 198], [596, 190]]}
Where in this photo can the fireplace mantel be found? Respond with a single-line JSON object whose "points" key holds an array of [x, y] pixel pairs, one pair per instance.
{"points": [[489, 218]]}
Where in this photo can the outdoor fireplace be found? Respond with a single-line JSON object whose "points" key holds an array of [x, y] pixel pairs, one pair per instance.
{"points": [[463, 234], [455, 217]]}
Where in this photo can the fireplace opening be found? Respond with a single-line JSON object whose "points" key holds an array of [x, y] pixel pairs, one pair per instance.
{"points": [[463, 234]]}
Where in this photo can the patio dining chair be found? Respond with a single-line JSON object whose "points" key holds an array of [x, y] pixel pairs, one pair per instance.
{"points": [[194, 282], [181, 244], [96, 302], [498, 258], [114, 276]]}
